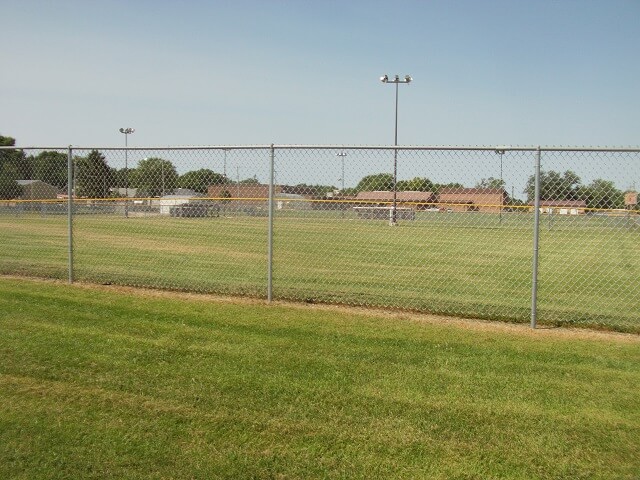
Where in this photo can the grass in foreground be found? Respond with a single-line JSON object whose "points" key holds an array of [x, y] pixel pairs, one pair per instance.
{"points": [[111, 384]]}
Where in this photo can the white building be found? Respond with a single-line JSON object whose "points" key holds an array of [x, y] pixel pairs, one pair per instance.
{"points": [[167, 202]]}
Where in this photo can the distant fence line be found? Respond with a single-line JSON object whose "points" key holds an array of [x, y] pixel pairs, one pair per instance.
{"points": [[489, 232]]}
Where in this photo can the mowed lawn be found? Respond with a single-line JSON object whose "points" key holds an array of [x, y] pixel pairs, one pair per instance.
{"points": [[103, 382], [454, 264]]}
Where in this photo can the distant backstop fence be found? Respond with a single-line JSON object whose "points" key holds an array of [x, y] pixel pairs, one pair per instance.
{"points": [[524, 234]]}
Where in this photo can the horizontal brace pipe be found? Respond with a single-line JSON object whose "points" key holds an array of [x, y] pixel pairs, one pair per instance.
{"points": [[348, 147]]}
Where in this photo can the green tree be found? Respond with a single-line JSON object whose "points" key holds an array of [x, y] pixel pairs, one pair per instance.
{"points": [[122, 177], [491, 182], [250, 181], [554, 186], [602, 194], [200, 180], [154, 177], [10, 161], [16, 159], [416, 184], [6, 142], [50, 167], [313, 190], [450, 185], [377, 182], [9, 187], [93, 177]]}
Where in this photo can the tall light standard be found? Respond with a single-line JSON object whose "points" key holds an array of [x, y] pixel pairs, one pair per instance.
{"points": [[127, 131], [385, 79], [162, 173], [342, 155], [500, 151]]}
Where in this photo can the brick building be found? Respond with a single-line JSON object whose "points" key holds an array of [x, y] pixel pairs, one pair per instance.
{"points": [[490, 200], [414, 199]]}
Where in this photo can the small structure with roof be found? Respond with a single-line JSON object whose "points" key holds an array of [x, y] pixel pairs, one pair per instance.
{"points": [[562, 207], [406, 198], [37, 190], [167, 203], [472, 199]]}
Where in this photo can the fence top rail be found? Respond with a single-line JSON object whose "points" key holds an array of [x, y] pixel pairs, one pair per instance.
{"points": [[495, 148]]}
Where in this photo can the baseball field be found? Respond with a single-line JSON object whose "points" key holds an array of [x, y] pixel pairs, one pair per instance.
{"points": [[468, 265]]}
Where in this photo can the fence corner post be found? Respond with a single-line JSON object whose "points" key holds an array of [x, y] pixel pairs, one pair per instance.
{"points": [[270, 234], [536, 240], [70, 210]]}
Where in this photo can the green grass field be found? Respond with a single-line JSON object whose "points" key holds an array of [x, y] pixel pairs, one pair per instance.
{"points": [[103, 383], [454, 264]]}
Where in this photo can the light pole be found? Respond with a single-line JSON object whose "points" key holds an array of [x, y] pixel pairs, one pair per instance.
{"points": [[393, 221], [342, 155], [224, 170], [500, 151], [162, 173], [127, 131]]}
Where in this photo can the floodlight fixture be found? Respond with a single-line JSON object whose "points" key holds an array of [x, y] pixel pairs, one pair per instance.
{"points": [[396, 79]]}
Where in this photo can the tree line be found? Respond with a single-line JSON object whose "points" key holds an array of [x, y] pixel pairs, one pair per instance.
{"points": [[154, 176], [94, 178], [599, 194]]}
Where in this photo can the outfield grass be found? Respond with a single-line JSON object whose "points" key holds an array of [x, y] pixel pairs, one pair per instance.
{"points": [[454, 264], [96, 383]]}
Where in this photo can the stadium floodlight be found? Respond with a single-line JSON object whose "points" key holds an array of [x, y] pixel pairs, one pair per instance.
{"points": [[127, 131], [393, 221]]}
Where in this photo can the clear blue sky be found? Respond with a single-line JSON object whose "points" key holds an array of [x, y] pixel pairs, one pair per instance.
{"points": [[307, 72]]}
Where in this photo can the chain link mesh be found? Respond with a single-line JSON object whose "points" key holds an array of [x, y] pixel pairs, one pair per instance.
{"points": [[175, 219], [589, 238], [450, 233], [453, 249], [33, 212]]}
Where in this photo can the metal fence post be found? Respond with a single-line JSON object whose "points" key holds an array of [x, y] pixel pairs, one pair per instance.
{"points": [[536, 238], [270, 234], [70, 209]]}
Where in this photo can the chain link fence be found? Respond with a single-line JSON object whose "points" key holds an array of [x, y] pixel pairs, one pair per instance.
{"points": [[547, 236]]}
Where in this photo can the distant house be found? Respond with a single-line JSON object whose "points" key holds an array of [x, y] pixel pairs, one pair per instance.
{"points": [[37, 190], [472, 199], [407, 198], [168, 202], [185, 192], [562, 207], [243, 195], [257, 191]]}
